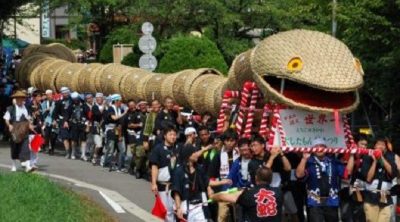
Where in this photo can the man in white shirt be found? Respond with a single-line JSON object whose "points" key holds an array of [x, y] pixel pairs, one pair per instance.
{"points": [[18, 122]]}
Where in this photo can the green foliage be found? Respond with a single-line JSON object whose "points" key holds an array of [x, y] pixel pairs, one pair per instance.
{"points": [[8, 8], [371, 29], [131, 59], [29, 196], [231, 47], [190, 52], [123, 35]]}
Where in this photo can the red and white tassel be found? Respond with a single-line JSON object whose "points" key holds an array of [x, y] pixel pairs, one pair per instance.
{"points": [[264, 121], [279, 126], [245, 95], [250, 114]]}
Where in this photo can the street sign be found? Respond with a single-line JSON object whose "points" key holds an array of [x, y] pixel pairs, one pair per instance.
{"points": [[46, 20], [147, 44], [147, 28], [148, 62]]}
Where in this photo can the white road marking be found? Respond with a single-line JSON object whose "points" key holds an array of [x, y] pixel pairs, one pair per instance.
{"points": [[112, 203], [115, 196]]}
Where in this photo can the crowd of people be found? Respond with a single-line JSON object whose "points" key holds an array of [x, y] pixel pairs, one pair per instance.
{"points": [[200, 175]]}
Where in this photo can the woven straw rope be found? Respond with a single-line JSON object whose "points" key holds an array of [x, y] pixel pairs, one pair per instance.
{"points": [[97, 74], [215, 94], [86, 77], [240, 71], [178, 87], [59, 80], [65, 75], [57, 50], [140, 86], [168, 85], [49, 75], [129, 83], [27, 65], [30, 67], [153, 87], [111, 77], [191, 79], [76, 80], [197, 92], [29, 50]]}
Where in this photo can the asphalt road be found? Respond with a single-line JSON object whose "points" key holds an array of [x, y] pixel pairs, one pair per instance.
{"points": [[134, 194]]}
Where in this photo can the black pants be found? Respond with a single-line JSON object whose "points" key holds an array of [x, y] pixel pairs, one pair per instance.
{"points": [[323, 214], [351, 210], [299, 193], [20, 150], [51, 137]]}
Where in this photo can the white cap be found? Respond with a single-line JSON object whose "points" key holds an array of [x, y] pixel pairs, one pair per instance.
{"points": [[318, 141], [31, 90], [99, 95], [49, 91], [115, 97], [74, 95], [64, 89], [190, 130]]}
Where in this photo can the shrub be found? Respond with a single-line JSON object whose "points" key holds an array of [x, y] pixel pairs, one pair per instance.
{"points": [[190, 52]]}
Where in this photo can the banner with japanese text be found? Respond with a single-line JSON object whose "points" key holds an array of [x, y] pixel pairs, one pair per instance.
{"points": [[302, 127]]}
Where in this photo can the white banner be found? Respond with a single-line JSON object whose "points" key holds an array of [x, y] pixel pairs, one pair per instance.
{"points": [[46, 20], [302, 127]]}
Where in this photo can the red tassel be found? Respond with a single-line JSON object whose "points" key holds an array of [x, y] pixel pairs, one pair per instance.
{"points": [[337, 124]]}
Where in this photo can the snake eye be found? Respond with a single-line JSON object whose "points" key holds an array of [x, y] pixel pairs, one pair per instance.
{"points": [[358, 66], [295, 64]]}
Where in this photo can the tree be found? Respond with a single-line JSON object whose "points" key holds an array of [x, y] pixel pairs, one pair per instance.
{"points": [[190, 52], [8, 10], [371, 28]]}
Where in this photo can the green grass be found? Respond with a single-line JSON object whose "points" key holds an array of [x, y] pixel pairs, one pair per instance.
{"points": [[30, 197]]}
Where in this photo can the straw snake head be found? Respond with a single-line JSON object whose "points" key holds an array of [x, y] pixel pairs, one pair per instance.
{"points": [[307, 69]]}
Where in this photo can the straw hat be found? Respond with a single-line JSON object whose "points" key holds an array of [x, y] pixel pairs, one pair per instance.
{"points": [[19, 94]]}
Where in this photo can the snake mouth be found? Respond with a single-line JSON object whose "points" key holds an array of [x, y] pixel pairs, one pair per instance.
{"points": [[310, 97]]}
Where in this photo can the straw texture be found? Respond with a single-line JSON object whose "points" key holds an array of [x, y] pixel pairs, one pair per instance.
{"points": [[65, 74], [57, 50], [140, 86], [129, 83], [29, 50], [197, 93], [178, 87], [318, 52], [240, 71], [111, 77], [153, 87], [191, 78], [49, 74], [25, 68], [167, 89], [97, 74]]}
